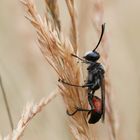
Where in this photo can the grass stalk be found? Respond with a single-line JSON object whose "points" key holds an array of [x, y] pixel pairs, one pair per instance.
{"points": [[30, 111], [53, 9], [57, 50], [6, 105], [74, 31]]}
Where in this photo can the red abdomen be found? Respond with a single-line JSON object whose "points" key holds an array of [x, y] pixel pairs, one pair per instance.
{"points": [[96, 114]]}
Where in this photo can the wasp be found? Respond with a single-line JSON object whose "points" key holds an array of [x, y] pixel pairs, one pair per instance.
{"points": [[95, 81]]}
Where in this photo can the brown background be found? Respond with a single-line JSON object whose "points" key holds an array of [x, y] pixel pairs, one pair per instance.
{"points": [[27, 77]]}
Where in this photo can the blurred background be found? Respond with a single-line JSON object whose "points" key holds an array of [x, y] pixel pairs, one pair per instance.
{"points": [[26, 76]]}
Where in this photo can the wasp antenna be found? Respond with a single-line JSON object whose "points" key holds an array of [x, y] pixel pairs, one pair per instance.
{"points": [[103, 28]]}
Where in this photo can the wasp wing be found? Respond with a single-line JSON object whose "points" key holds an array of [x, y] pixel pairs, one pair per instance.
{"points": [[103, 96]]}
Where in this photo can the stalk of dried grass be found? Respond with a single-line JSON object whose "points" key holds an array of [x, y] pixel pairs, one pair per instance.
{"points": [[30, 111], [74, 32], [104, 51], [6, 104], [53, 9], [57, 50]]}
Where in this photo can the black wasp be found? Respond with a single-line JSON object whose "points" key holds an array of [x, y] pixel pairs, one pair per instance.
{"points": [[95, 80]]}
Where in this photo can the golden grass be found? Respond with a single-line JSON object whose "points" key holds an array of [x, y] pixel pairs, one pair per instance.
{"points": [[30, 111], [53, 13], [57, 50], [74, 32]]}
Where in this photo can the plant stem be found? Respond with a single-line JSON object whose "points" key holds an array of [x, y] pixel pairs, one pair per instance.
{"points": [[6, 104]]}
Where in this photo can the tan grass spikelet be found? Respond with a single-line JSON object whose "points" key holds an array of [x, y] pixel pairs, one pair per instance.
{"points": [[30, 111], [74, 32], [58, 53], [53, 9]]}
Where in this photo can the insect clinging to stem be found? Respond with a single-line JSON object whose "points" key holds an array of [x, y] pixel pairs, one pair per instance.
{"points": [[95, 81]]}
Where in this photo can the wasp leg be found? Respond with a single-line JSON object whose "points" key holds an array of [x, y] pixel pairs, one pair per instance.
{"points": [[79, 109], [90, 97], [71, 114], [82, 86], [62, 81]]}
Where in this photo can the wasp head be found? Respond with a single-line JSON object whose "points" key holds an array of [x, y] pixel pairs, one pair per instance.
{"points": [[92, 56]]}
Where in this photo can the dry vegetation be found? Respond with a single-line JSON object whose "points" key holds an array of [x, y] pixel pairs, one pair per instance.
{"points": [[57, 50]]}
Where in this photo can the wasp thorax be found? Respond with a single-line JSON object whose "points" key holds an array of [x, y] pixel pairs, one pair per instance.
{"points": [[92, 56]]}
